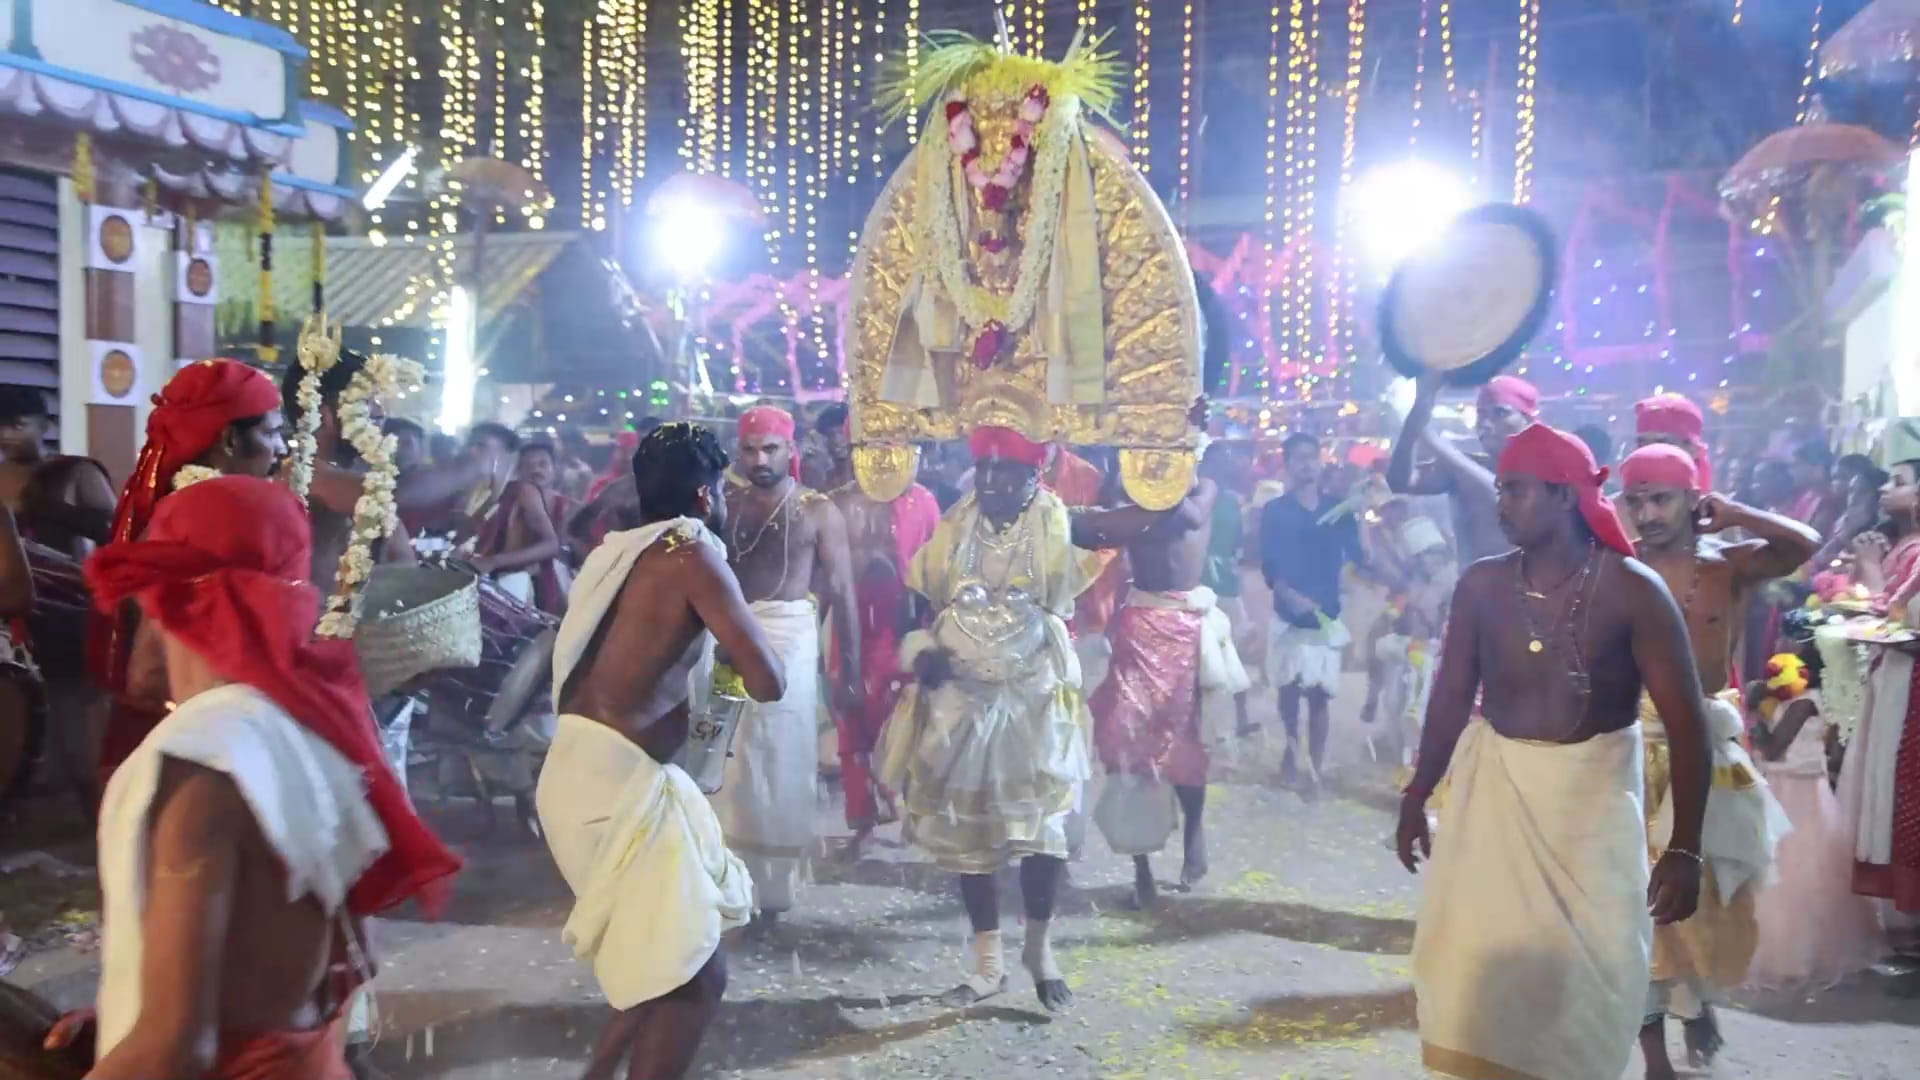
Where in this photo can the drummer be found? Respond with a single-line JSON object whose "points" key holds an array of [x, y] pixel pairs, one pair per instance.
{"points": [[1505, 406], [212, 418], [64, 502]]}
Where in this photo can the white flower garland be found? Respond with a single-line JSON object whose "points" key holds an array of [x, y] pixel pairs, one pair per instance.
{"points": [[318, 350], [977, 306], [374, 515], [188, 475]]}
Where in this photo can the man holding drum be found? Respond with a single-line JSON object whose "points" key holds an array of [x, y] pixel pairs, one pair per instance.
{"points": [[1504, 406], [653, 881], [788, 544]]}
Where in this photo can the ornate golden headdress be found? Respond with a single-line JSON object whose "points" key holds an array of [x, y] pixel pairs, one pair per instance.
{"points": [[1017, 270]]}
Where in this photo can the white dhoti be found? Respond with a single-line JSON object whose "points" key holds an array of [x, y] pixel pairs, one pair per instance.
{"points": [[1309, 657], [767, 801], [1530, 957], [653, 883]]}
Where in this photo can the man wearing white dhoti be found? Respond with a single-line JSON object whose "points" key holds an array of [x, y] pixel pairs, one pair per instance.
{"points": [[788, 544], [1530, 956], [653, 883], [990, 743]]}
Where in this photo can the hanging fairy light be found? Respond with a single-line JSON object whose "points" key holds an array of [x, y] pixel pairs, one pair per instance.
{"points": [[1807, 68], [633, 102], [1446, 45], [1348, 280], [533, 117], [1141, 145], [723, 80], [593, 208], [913, 65], [1036, 27], [1185, 163], [1306, 42], [1419, 73], [1737, 12], [1083, 17], [1264, 381], [1526, 67]]}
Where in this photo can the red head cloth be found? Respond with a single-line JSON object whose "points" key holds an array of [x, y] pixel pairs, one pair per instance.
{"points": [[1559, 458], [1516, 394], [221, 568], [1677, 418], [619, 463], [763, 420], [1008, 444], [1660, 465]]}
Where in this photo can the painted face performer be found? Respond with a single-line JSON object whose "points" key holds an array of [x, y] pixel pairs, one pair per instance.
{"points": [[259, 816], [1557, 639], [214, 417], [1504, 406], [1695, 961], [989, 746], [788, 544]]}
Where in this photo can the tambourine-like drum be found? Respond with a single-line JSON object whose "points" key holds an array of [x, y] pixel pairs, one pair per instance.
{"points": [[25, 1019], [1468, 304]]}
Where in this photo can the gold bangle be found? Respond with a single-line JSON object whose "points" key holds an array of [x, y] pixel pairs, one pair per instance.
{"points": [[1694, 855]]}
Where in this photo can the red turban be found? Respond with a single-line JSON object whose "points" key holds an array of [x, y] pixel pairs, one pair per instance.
{"points": [[1007, 444], [188, 416], [1660, 465], [1516, 394], [763, 420], [222, 569], [1559, 458], [1676, 418]]}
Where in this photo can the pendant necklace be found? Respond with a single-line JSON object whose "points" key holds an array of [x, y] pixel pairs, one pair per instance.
{"points": [[1537, 641]]}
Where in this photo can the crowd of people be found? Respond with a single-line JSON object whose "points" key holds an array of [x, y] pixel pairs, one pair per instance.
{"points": [[1612, 702]]}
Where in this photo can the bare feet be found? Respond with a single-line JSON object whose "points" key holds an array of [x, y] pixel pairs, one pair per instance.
{"points": [[763, 925], [1703, 1038], [1054, 994], [1146, 892], [972, 992], [1653, 1049], [1194, 869], [856, 842]]}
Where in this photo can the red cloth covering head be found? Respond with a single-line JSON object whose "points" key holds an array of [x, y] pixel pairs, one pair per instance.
{"points": [[1516, 394], [619, 463], [188, 416], [1675, 417], [762, 420], [222, 568], [1007, 444], [1559, 458], [1660, 465]]}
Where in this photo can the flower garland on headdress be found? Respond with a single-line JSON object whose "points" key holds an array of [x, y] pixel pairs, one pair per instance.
{"points": [[374, 513], [963, 71]]}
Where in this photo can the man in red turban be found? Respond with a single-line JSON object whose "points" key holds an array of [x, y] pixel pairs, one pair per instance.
{"points": [[788, 545], [259, 822], [1555, 641], [1696, 961], [1675, 421], [213, 417], [994, 725], [1503, 407]]}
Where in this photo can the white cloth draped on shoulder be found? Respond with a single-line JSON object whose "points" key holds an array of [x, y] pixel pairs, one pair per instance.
{"points": [[653, 883], [767, 800], [308, 801], [1530, 959]]}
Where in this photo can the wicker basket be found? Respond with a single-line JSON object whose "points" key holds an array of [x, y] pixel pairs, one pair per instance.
{"points": [[416, 619]]}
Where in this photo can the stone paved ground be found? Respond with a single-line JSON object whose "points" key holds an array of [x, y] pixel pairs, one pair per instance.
{"points": [[1290, 963]]}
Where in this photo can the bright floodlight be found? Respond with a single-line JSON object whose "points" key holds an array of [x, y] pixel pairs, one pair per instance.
{"points": [[1904, 368], [688, 235], [1400, 208], [457, 377], [400, 169]]}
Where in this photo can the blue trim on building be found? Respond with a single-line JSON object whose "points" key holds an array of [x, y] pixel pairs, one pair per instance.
{"points": [[287, 179], [208, 17], [81, 78], [321, 113]]}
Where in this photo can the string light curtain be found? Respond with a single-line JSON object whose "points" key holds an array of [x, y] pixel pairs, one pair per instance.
{"points": [[1138, 139], [1184, 181], [1340, 314], [1263, 330], [1525, 67]]}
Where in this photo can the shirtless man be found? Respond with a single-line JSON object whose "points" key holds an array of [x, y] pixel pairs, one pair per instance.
{"points": [[645, 605], [1171, 645], [64, 502], [1696, 960], [1505, 406], [1557, 640], [520, 545], [788, 544], [882, 538], [227, 949]]}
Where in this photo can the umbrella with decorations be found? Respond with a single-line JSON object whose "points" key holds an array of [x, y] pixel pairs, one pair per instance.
{"points": [[1882, 42]]}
